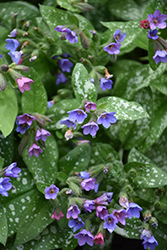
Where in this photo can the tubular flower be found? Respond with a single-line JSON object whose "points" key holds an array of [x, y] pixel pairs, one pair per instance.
{"points": [[90, 128], [84, 237], [113, 48], [99, 238], [34, 150], [24, 83], [51, 192]]}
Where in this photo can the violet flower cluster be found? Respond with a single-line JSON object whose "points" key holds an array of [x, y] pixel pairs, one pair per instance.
{"points": [[24, 122], [79, 115], [154, 21], [11, 171]]}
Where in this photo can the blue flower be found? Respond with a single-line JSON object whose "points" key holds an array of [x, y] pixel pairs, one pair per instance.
{"points": [[105, 83], [12, 170], [13, 33], [101, 211], [84, 237], [110, 222], [84, 174], [12, 45], [152, 34], [145, 234], [89, 205], [106, 119], [51, 192], [15, 56], [77, 115], [118, 36], [59, 28], [90, 128], [42, 134], [160, 56], [68, 123], [133, 210], [151, 243], [88, 184], [113, 48], [61, 78], [73, 212], [71, 36], [120, 216], [157, 20], [5, 185], [26, 118], [76, 224], [22, 128], [65, 65]]}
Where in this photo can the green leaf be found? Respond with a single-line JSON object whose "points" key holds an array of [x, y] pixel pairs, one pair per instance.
{"points": [[34, 100], [132, 229], [8, 110], [151, 53], [160, 84], [151, 7], [158, 124], [62, 177], [82, 85], [54, 16], [162, 215], [147, 175], [129, 10], [66, 4], [4, 33], [43, 167], [84, 23], [141, 39], [137, 79], [25, 11], [4, 226], [34, 219], [6, 148], [124, 110], [103, 153], [59, 110], [133, 134], [76, 160], [19, 197]]}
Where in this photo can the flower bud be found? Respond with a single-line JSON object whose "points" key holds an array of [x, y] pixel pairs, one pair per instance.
{"points": [[42, 119], [100, 69], [13, 23], [3, 82], [158, 206], [83, 6], [128, 189], [154, 222], [19, 67], [95, 170], [75, 188], [132, 173], [23, 143], [68, 134], [4, 68], [147, 215], [84, 40]]}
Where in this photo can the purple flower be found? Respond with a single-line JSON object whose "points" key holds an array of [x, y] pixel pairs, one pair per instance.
{"points": [[151, 242], [26, 118], [104, 199], [157, 20], [92, 80], [71, 36], [12, 170], [13, 33], [84, 237], [84, 174], [73, 212], [22, 128], [97, 187], [76, 224], [145, 234], [152, 34], [15, 56], [88, 184], [77, 115], [90, 105], [90, 128], [120, 216], [123, 201], [65, 65], [68, 123], [101, 211], [106, 119], [49, 104], [133, 210], [12, 44], [105, 83], [59, 28], [89, 205], [34, 150], [61, 78], [160, 56], [51, 192], [5, 185], [1, 56], [113, 48], [42, 134], [24, 83], [118, 36], [66, 55], [110, 222]]}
